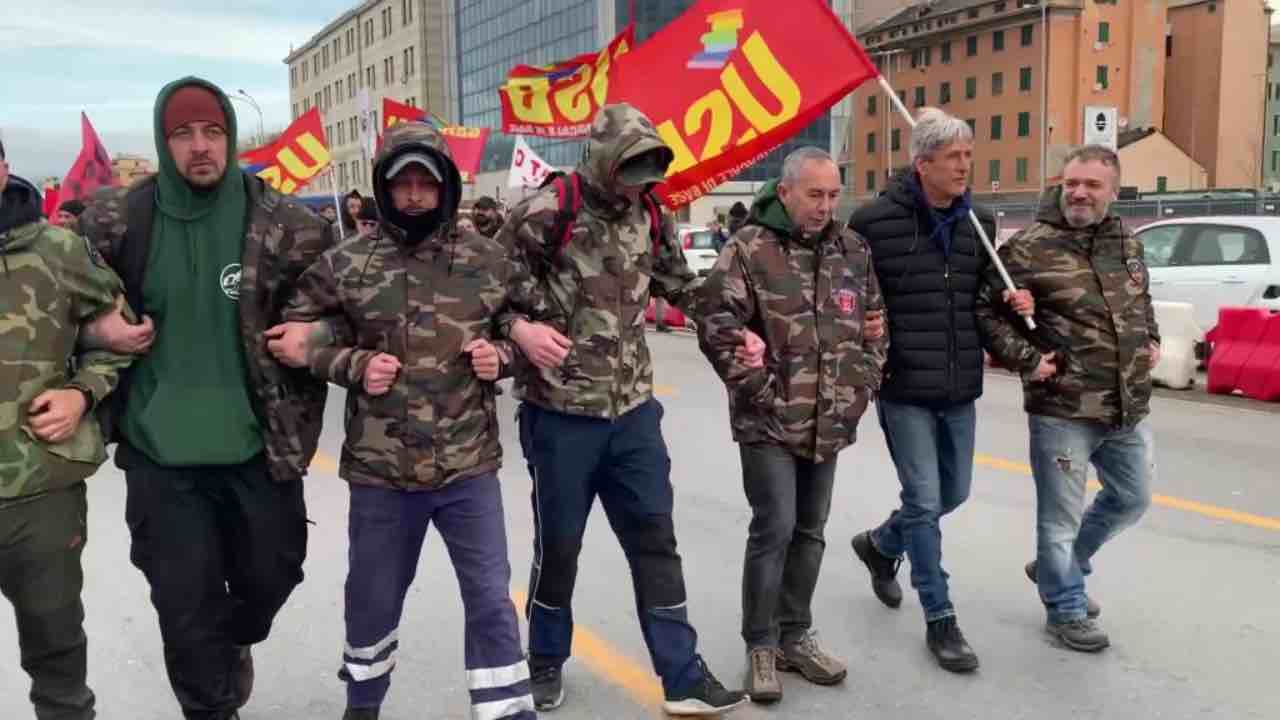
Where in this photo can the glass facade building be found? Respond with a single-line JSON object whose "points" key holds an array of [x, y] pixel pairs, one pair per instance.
{"points": [[495, 36]]}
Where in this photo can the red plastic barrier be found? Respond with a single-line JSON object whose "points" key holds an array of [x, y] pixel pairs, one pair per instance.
{"points": [[675, 318], [1246, 354]]}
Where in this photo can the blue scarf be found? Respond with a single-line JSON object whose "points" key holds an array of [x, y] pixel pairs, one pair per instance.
{"points": [[944, 221]]}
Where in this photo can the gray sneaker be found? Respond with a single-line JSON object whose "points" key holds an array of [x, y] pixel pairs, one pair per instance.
{"points": [[1092, 608], [809, 659], [763, 685], [1083, 635]]}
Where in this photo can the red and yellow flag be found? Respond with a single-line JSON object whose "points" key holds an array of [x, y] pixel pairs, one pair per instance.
{"points": [[466, 144], [561, 99], [289, 163], [738, 78]]}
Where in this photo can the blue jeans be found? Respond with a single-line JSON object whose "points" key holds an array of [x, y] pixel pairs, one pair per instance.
{"points": [[1068, 535], [933, 451]]}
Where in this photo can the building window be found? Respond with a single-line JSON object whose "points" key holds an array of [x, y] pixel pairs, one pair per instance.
{"points": [[997, 41], [902, 97], [1104, 32], [1020, 168], [337, 90], [871, 103], [406, 11], [973, 126], [316, 104], [1168, 48], [315, 64], [1024, 124], [871, 181], [324, 53], [944, 93], [351, 85], [928, 56], [997, 127], [295, 111], [997, 83], [305, 69], [920, 96], [973, 13], [945, 54], [1102, 83], [1275, 124], [328, 99], [306, 105], [917, 56], [1024, 79], [293, 76], [339, 136], [895, 140], [1162, 182], [993, 170], [998, 8], [971, 46], [1028, 35], [871, 142], [368, 32], [970, 88]]}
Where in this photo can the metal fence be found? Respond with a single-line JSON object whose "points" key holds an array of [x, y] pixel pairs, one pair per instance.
{"points": [[1140, 212]]}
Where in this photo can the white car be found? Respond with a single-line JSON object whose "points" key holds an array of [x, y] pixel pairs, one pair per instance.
{"points": [[699, 248], [1212, 262]]}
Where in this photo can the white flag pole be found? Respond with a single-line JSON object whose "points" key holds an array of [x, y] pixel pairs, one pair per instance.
{"points": [[973, 218], [333, 177]]}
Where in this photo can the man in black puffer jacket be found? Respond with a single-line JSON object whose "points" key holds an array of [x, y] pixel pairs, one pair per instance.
{"points": [[928, 258]]}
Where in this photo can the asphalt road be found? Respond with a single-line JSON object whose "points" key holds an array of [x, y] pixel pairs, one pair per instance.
{"points": [[1191, 596]]}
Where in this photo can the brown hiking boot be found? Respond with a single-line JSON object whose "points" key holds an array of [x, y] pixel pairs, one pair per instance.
{"points": [[763, 685], [809, 659], [244, 674]]}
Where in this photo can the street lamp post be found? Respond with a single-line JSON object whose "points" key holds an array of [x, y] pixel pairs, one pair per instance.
{"points": [[262, 136]]}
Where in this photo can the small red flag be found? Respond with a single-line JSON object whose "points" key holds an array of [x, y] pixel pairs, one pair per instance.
{"points": [[92, 169]]}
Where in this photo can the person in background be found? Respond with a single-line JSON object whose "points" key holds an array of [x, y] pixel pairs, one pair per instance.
{"points": [[69, 215], [737, 218], [368, 218], [487, 216], [352, 202]]}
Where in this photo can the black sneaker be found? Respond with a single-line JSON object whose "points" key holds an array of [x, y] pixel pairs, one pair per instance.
{"points": [[1092, 608], [706, 697], [948, 645], [546, 682], [360, 714], [884, 570]]}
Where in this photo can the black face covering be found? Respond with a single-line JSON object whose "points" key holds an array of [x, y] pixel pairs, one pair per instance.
{"points": [[416, 227]]}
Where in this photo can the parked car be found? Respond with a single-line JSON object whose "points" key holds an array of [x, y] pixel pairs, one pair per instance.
{"points": [[699, 248], [1213, 262]]}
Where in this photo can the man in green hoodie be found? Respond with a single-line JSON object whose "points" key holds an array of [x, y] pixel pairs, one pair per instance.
{"points": [[214, 435], [51, 283]]}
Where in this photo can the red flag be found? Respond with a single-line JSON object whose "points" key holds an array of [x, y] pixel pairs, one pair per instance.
{"points": [[291, 162], [561, 99], [92, 169], [50, 208], [466, 144], [739, 77]]}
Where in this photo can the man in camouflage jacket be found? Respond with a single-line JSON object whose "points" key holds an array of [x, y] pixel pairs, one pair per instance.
{"points": [[1086, 378], [806, 286], [589, 424], [51, 282], [422, 430], [214, 435]]}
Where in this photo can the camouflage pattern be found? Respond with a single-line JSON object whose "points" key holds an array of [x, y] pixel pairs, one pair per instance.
{"points": [[1093, 308], [50, 284], [595, 289], [807, 298], [422, 304], [281, 241]]}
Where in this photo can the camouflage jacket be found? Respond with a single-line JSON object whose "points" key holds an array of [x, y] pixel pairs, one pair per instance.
{"points": [[50, 283], [422, 304], [807, 299], [1093, 308], [282, 239], [595, 289]]}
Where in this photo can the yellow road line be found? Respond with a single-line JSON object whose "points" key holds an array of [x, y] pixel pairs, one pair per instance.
{"points": [[1168, 501], [637, 680]]}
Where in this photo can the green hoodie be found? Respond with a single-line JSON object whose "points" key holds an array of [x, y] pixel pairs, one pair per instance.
{"points": [[189, 402], [767, 210]]}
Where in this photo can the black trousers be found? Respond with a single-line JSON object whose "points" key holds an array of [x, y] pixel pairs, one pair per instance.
{"points": [[41, 541], [790, 500], [222, 547]]}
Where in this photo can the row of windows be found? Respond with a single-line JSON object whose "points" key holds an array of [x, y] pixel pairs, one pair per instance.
{"points": [[997, 131], [1021, 172], [970, 90], [334, 50], [923, 57], [346, 88]]}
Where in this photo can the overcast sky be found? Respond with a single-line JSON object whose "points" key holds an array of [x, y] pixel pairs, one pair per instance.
{"points": [[110, 58]]}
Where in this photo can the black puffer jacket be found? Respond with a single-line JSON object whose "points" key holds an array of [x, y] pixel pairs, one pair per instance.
{"points": [[935, 352]]}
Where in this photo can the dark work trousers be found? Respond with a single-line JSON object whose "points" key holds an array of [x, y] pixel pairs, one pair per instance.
{"points": [[790, 500], [41, 540], [573, 460], [386, 531], [222, 547]]}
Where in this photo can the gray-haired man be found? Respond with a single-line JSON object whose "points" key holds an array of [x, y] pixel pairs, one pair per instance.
{"points": [[929, 260]]}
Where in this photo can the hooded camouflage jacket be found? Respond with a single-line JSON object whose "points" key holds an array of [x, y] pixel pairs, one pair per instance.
{"points": [[1093, 309], [595, 289], [807, 298], [50, 284], [282, 239], [422, 304]]}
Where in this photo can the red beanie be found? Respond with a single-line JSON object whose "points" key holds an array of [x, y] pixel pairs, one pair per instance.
{"points": [[192, 103]]}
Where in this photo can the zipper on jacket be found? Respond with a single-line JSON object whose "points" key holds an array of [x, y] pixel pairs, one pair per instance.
{"points": [[952, 349]]}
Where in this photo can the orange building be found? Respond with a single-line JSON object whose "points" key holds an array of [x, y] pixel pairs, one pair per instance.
{"points": [[987, 61], [1217, 86]]}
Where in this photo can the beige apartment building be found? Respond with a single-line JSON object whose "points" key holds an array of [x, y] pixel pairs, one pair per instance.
{"points": [[1217, 84], [987, 61], [402, 49]]}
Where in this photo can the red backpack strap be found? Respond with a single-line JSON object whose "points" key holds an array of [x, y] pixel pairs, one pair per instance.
{"points": [[569, 194], [655, 222]]}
